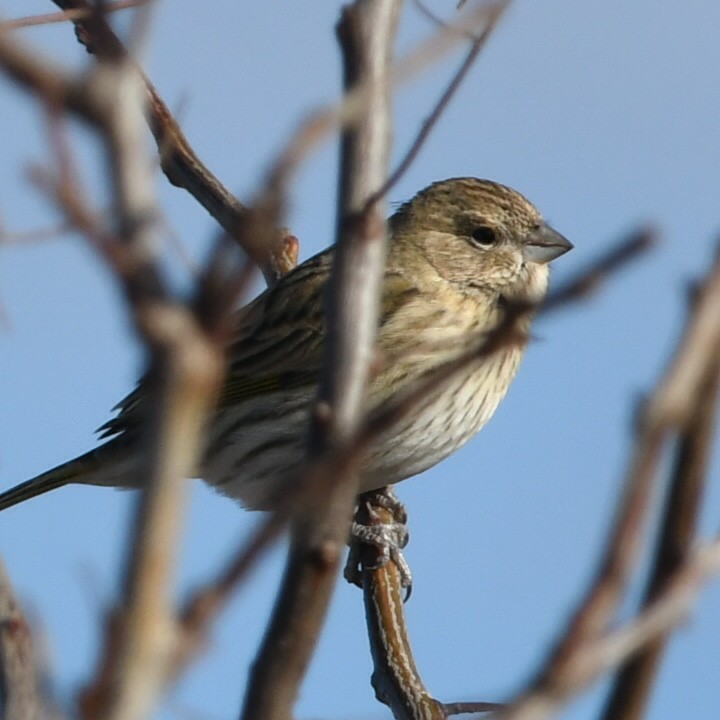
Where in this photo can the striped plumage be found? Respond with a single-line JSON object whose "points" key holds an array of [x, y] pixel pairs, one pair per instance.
{"points": [[458, 252]]}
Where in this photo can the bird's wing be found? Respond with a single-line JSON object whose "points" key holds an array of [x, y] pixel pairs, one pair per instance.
{"points": [[277, 344]]}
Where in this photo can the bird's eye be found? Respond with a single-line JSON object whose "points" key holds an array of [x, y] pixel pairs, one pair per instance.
{"points": [[483, 235]]}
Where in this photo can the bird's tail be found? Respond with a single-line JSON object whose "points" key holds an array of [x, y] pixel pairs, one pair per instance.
{"points": [[79, 470]]}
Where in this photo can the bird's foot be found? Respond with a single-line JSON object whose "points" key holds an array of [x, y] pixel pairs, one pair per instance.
{"points": [[371, 527]]}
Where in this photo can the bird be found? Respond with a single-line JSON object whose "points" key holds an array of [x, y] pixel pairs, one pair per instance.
{"points": [[459, 254]]}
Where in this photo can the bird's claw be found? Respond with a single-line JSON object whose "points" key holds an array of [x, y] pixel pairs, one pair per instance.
{"points": [[389, 538]]}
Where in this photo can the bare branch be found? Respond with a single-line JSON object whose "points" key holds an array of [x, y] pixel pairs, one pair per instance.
{"points": [[319, 125], [674, 545], [668, 409], [494, 14], [67, 15], [21, 695], [366, 32], [185, 368], [395, 677]]}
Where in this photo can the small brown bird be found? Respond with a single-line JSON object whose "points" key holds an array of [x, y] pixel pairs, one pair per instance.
{"points": [[459, 253]]}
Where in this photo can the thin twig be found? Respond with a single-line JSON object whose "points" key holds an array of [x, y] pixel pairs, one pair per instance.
{"points": [[630, 691], [180, 163], [476, 47], [317, 128], [666, 612], [668, 409], [67, 15], [606, 652], [587, 281], [258, 236]]}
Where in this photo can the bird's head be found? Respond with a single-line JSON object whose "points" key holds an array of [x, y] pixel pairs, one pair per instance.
{"points": [[479, 235]]}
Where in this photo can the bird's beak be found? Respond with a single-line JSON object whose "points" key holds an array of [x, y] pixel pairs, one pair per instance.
{"points": [[545, 244]]}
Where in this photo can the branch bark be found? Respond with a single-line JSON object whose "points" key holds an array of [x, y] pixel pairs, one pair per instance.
{"points": [[677, 536], [319, 531], [21, 692], [668, 410]]}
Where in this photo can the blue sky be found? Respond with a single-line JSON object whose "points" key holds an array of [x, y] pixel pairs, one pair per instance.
{"points": [[606, 116]]}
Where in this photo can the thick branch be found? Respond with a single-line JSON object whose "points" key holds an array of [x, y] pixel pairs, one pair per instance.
{"points": [[21, 696], [367, 31]]}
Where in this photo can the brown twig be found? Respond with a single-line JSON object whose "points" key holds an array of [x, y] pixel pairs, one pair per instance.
{"points": [[178, 160], [67, 15], [366, 31], [668, 409], [21, 693], [631, 688], [476, 47], [395, 677]]}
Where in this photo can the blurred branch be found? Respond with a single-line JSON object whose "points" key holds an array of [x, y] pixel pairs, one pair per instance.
{"points": [[606, 652], [495, 12], [674, 545], [49, 83], [587, 281], [479, 21], [319, 530], [665, 613], [67, 15], [186, 370], [178, 160], [668, 409], [185, 169], [186, 358], [21, 692], [28, 237]]}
